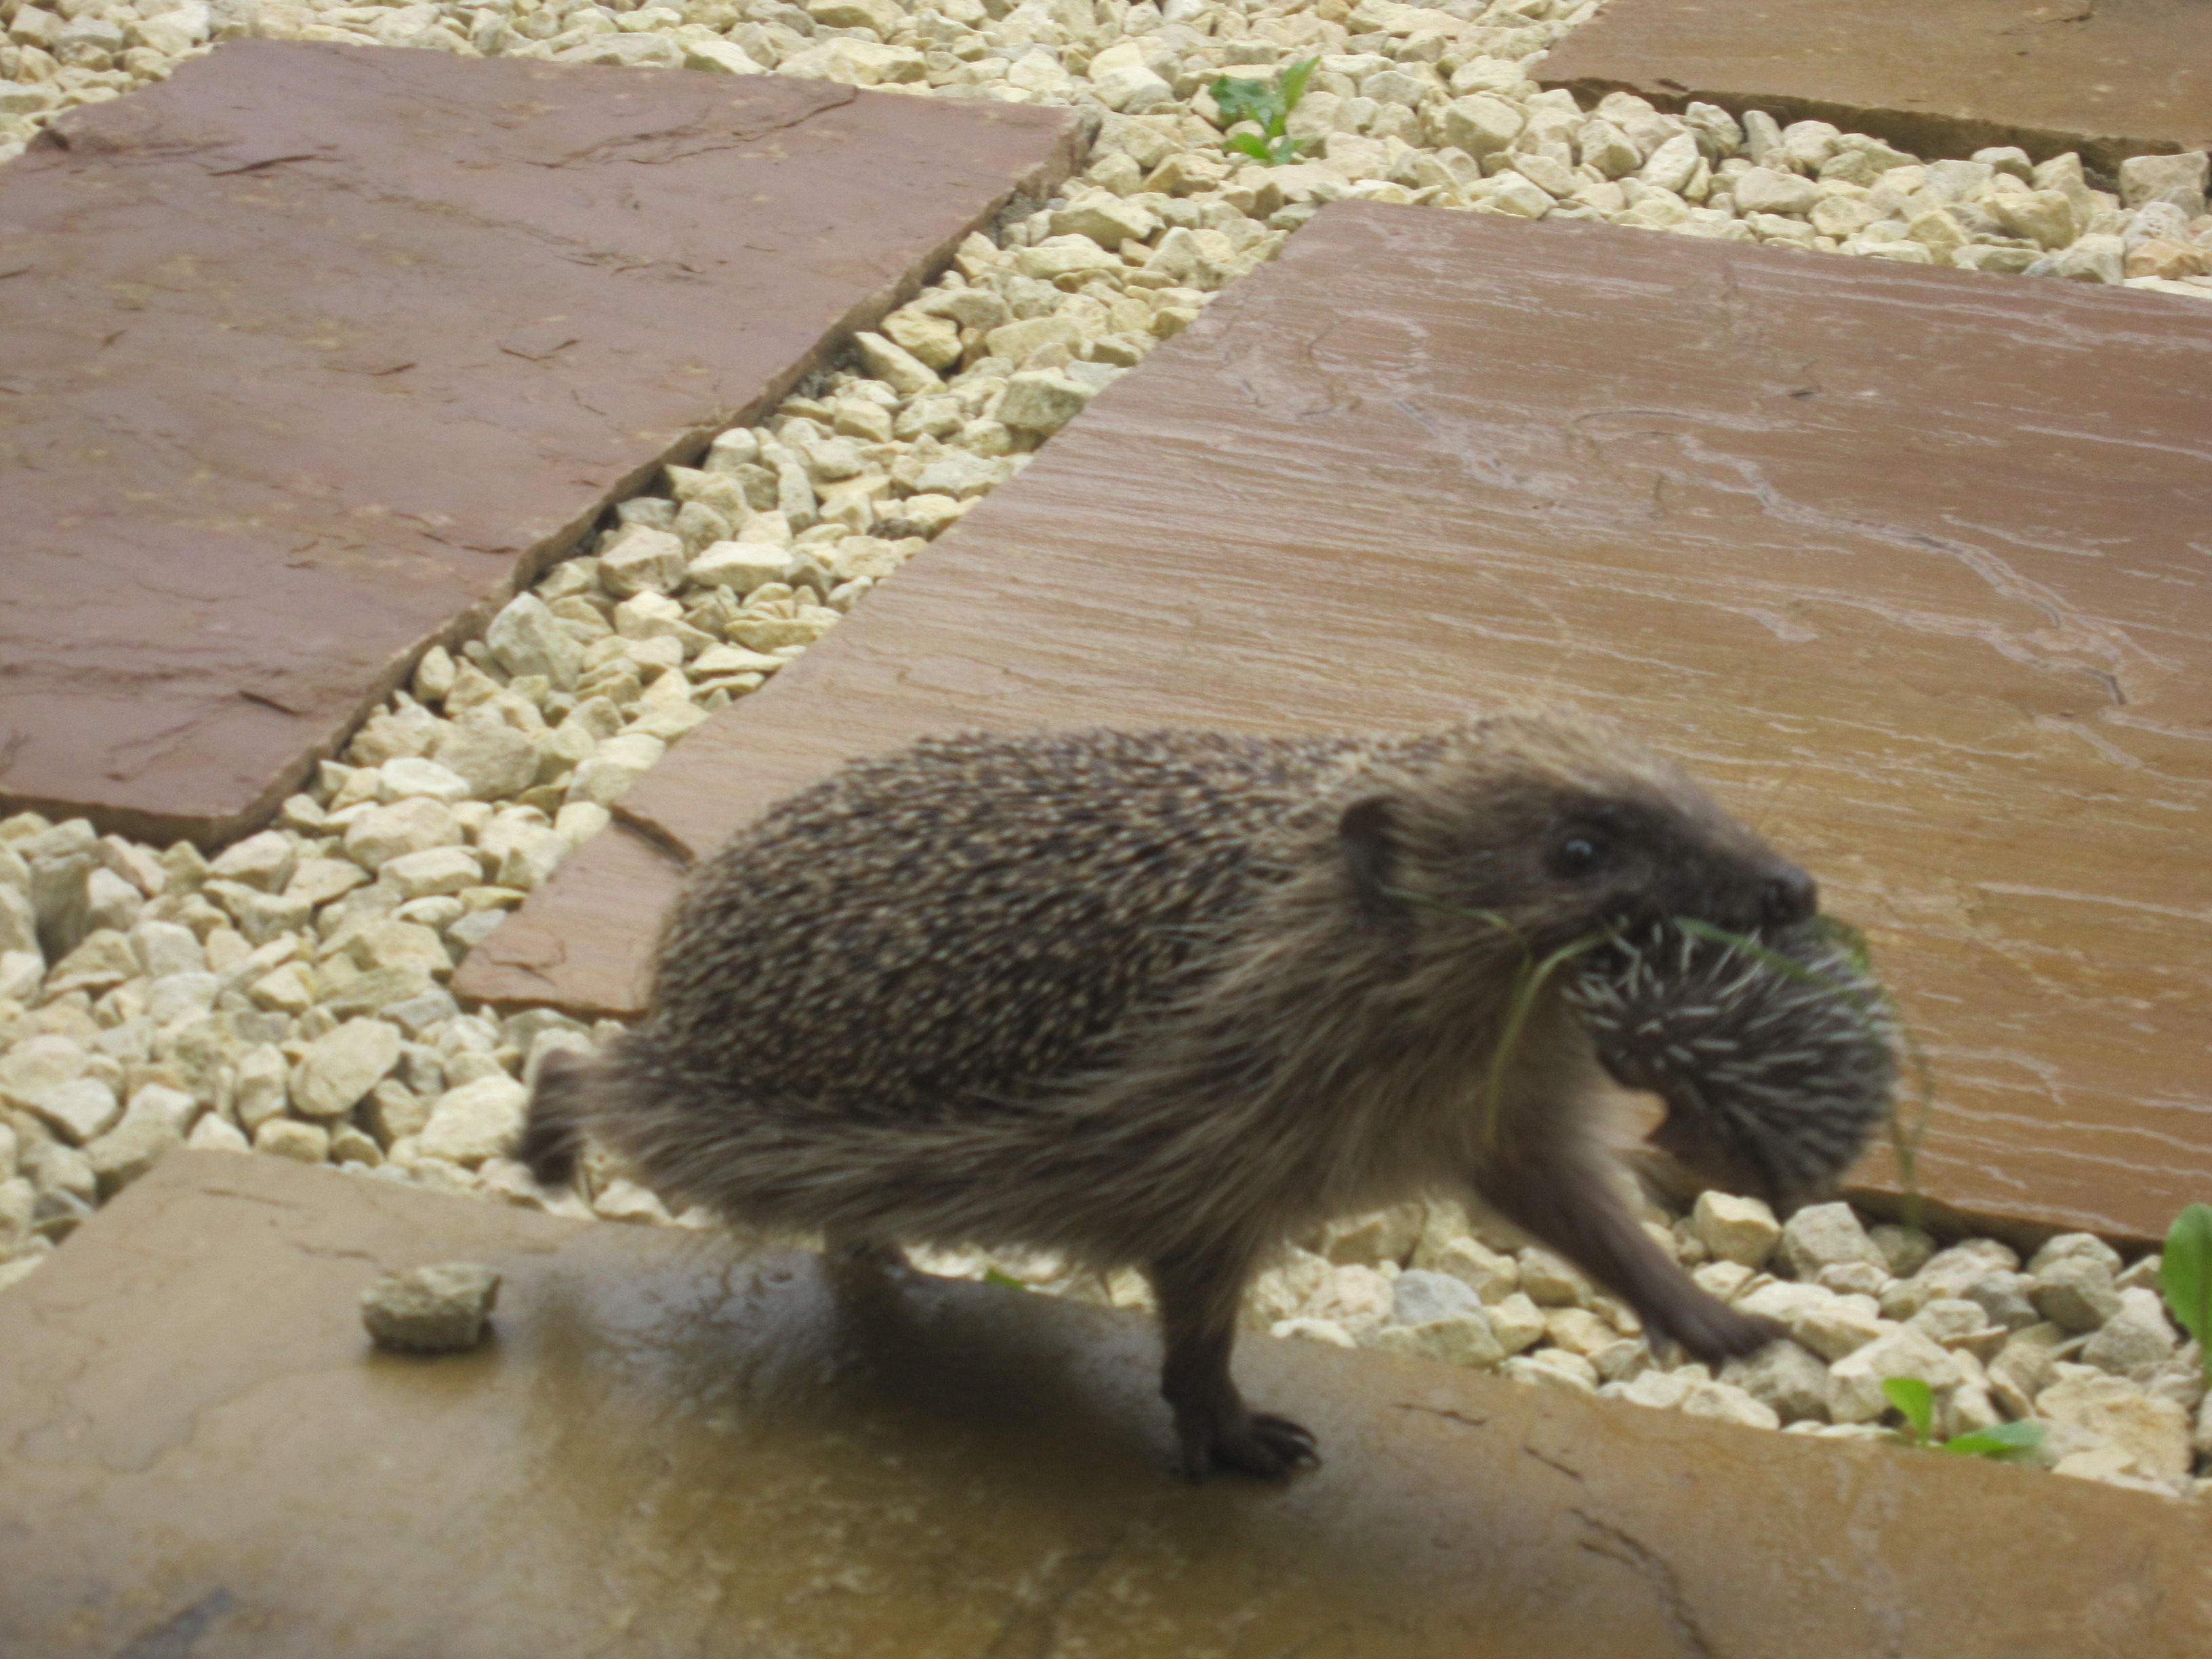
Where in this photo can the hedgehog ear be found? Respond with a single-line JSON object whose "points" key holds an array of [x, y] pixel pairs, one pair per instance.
{"points": [[1369, 853]]}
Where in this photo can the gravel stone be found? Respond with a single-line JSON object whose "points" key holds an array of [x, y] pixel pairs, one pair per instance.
{"points": [[1552, 1368], [2007, 1297], [1839, 1328], [1857, 1378], [287, 1137], [384, 833], [435, 871], [37, 1063], [475, 1121], [79, 1110], [494, 759], [1517, 1323], [2178, 180], [214, 1133], [2135, 1341], [2076, 1292], [1826, 1235], [2153, 1434], [1785, 1378], [1550, 1282], [1391, 1234], [1954, 1322], [1042, 400], [2068, 1246], [1724, 1402], [339, 1069], [263, 861], [1419, 1296], [1490, 1276], [739, 566], [1463, 1339], [141, 1140], [443, 1308], [1732, 1228]]}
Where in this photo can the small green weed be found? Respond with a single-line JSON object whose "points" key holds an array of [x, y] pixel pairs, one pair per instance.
{"points": [[1248, 100], [1004, 1281], [1915, 1402], [2185, 1276]]}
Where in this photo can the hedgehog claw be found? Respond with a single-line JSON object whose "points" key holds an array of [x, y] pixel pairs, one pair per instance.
{"points": [[1262, 1445]]}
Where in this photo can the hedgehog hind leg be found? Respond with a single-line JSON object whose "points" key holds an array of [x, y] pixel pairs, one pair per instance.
{"points": [[1199, 1293], [553, 1131]]}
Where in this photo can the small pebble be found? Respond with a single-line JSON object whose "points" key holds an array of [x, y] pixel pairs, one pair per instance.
{"points": [[436, 1310]]}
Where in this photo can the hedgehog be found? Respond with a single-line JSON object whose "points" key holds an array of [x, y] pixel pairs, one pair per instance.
{"points": [[1775, 1055], [1166, 1000]]}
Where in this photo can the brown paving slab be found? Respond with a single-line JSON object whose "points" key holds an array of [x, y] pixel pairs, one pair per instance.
{"points": [[1912, 564], [671, 1447], [310, 353], [2109, 78]]}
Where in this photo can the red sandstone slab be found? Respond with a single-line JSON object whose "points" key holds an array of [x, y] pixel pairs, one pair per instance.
{"points": [[1913, 564], [308, 354], [670, 1447], [2109, 78]]}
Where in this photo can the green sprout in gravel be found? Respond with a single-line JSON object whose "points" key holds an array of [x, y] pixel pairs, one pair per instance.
{"points": [[1269, 106], [2184, 1277], [1915, 1402]]}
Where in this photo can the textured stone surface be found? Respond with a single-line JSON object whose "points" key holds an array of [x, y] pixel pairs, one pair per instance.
{"points": [[2109, 78], [1886, 554], [697, 1451], [313, 351]]}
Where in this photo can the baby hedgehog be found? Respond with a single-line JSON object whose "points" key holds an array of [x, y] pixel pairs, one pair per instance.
{"points": [[1166, 999], [1776, 1055]]}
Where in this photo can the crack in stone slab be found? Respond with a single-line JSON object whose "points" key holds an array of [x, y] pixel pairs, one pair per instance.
{"points": [[1617, 1544]]}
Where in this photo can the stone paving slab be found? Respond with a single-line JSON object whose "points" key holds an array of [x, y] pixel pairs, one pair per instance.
{"points": [[671, 1447], [1909, 563], [312, 352], [2109, 78]]}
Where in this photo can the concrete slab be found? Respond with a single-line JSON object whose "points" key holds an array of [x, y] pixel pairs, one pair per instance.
{"points": [[313, 351], [671, 1447], [1909, 563], [2109, 78]]}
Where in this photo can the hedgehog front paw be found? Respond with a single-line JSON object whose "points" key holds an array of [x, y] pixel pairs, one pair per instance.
{"points": [[1249, 1442]]}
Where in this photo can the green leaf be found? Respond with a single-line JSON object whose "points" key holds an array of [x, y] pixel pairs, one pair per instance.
{"points": [[2004, 1440], [2185, 1276], [1916, 1401], [1294, 82], [1004, 1281], [1284, 149], [1240, 99], [1245, 143]]}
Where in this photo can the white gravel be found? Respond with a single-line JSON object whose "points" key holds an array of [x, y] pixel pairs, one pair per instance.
{"points": [[289, 997]]}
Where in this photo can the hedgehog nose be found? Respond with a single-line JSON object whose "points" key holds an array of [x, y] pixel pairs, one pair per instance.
{"points": [[1790, 898]]}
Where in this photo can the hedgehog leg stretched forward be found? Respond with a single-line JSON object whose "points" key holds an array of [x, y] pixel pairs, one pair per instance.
{"points": [[1166, 999]]}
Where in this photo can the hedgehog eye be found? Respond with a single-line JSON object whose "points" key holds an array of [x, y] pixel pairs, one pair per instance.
{"points": [[1578, 855]]}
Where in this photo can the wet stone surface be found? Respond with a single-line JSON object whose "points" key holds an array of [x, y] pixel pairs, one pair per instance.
{"points": [[1907, 602], [371, 335], [2112, 80], [671, 1446]]}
